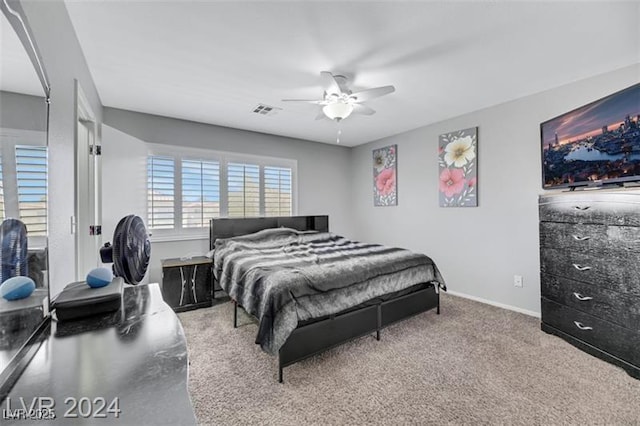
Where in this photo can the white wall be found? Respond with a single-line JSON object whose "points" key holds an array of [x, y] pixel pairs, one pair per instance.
{"points": [[124, 174], [323, 170], [20, 111], [64, 62], [477, 249]]}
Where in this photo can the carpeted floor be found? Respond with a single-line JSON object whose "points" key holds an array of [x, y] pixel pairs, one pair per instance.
{"points": [[473, 364]]}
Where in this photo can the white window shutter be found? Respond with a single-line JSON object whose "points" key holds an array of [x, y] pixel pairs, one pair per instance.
{"points": [[277, 191], [200, 192], [31, 177], [2, 213], [243, 190], [160, 192]]}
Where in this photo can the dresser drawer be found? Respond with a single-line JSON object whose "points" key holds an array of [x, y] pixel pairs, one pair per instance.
{"points": [[620, 273], [606, 240], [612, 306], [617, 341], [623, 209]]}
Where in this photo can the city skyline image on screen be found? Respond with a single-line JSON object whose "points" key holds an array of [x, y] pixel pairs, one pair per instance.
{"points": [[596, 144]]}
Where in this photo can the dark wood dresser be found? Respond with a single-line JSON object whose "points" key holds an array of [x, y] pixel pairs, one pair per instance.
{"points": [[590, 272]]}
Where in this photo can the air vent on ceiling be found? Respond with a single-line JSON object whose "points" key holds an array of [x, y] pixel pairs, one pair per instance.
{"points": [[263, 109]]}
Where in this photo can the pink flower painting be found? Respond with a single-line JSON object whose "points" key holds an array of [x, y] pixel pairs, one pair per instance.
{"points": [[451, 182], [457, 164], [384, 176], [386, 182]]}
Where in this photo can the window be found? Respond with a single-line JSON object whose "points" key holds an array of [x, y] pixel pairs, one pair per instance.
{"points": [[277, 191], [200, 192], [186, 187], [23, 180], [160, 192], [31, 177], [243, 190], [2, 215]]}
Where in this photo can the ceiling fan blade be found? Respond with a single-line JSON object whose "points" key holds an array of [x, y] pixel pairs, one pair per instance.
{"points": [[376, 92], [329, 83], [309, 101], [342, 83], [363, 109]]}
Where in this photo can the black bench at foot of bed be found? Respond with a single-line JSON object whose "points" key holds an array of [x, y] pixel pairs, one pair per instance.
{"points": [[316, 336]]}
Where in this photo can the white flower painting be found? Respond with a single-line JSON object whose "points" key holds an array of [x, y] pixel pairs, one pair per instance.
{"points": [[459, 152], [457, 163]]}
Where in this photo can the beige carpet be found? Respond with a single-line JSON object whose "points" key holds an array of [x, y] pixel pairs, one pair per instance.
{"points": [[473, 364]]}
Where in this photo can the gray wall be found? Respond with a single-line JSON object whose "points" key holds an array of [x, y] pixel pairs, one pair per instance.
{"points": [[20, 111], [323, 169], [478, 250], [64, 62]]}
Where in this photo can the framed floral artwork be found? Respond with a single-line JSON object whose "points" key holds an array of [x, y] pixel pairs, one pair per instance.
{"points": [[385, 188], [458, 168]]}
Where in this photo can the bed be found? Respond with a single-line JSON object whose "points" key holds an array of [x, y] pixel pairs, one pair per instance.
{"points": [[311, 290]]}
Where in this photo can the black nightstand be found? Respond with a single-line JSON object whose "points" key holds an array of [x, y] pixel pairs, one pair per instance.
{"points": [[187, 283]]}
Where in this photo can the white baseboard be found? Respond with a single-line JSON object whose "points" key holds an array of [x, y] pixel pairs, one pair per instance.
{"points": [[492, 303]]}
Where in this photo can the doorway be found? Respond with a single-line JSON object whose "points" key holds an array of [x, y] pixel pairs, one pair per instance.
{"points": [[88, 209]]}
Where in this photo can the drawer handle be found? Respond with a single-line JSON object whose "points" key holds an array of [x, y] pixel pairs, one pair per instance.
{"points": [[581, 297], [578, 238], [582, 208], [581, 268], [582, 327]]}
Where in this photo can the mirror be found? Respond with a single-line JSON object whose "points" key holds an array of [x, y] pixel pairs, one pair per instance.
{"points": [[24, 97]]}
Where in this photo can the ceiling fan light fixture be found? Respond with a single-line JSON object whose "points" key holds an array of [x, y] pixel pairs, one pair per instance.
{"points": [[337, 110]]}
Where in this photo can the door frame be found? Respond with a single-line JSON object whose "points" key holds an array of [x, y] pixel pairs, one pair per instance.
{"points": [[85, 116]]}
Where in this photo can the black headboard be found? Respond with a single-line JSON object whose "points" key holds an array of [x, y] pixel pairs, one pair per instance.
{"points": [[230, 227]]}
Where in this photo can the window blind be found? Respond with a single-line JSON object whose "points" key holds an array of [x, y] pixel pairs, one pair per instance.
{"points": [[200, 192], [2, 214], [160, 192], [277, 191], [243, 190], [31, 176]]}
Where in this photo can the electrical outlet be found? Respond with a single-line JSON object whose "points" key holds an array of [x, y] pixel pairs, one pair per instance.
{"points": [[517, 280]]}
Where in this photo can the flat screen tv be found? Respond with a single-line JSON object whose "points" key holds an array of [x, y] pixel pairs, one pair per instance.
{"points": [[597, 144]]}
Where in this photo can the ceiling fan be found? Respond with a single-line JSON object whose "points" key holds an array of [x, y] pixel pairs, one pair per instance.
{"points": [[338, 101]]}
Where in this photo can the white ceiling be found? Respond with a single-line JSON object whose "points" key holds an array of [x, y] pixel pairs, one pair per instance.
{"points": [[17, 73], [214, 61]]}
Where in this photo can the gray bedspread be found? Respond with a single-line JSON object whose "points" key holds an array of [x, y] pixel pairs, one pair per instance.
{"points": [[282, 276]]}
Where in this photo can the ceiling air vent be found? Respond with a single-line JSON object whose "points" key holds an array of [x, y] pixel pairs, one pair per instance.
{"points": [[263, 109]]}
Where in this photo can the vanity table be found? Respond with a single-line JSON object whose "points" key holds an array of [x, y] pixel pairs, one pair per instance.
{"points": [[136, 357]]}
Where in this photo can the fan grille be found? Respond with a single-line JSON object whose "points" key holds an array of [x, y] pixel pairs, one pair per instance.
{"points": [[131, 249]]}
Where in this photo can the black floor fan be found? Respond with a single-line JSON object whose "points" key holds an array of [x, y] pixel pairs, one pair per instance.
{"points": [[13, 249], [130, 251]]}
